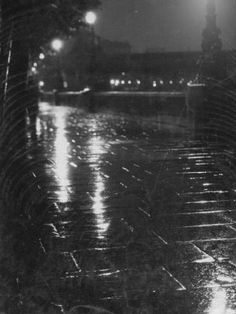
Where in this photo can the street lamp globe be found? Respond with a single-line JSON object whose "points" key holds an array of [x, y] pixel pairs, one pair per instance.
{"points": [[41, 56], [90, 18], [57, 44]]}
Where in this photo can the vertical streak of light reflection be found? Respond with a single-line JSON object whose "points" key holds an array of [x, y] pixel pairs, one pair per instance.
{"points": [[98, 207], [219, 303], [96, 150], [38, 127], [62, 148]]}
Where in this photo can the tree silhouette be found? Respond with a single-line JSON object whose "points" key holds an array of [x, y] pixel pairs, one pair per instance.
{"points": [[27, 25]]}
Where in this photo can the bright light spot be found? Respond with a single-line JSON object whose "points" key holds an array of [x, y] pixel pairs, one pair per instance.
{"points": [[112, 81], [62, 149], [129, 82], [41, 83], [219, 303], [97, 149], [99, 207], [122, 82], [204, 260], [138, 82], [161, 82], [65, 84], [154, 84], [35, 64], [117, 82], [38, 127], [225, 279], [171, 82], [33, 69], [41, 56], [86, 89], [123, 73], [90, 18], [57, 44]]}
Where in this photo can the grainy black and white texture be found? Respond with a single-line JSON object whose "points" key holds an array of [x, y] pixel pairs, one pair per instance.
{"points": [[119, 201]]}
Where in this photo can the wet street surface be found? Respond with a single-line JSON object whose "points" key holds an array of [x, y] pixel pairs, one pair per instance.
{"points": [[141, 217]]}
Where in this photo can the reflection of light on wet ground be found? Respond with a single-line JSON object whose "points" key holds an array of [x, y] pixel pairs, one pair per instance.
{"points": [[225, 279], [98, 207], [61, 157], [199, 157], [219, 303], [38, 127], [205, 191], [96, 150], [206, 202], [90, 214], [204, 260]]}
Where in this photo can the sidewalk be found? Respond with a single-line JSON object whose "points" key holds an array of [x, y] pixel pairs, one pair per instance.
{"points": [[140, 219]]}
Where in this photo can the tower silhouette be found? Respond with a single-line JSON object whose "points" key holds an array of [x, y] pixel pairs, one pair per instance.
{"points": [[212, 65], [211, 42]]}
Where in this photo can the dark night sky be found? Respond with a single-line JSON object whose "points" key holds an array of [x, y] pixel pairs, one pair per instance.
{"points": [[169, 24]]}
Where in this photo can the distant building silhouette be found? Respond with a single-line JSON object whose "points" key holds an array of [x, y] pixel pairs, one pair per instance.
{"points": [[114, 47], [154, 49]]}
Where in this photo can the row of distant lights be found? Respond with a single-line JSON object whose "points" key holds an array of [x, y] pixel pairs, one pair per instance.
{"points": [[34, 67], [122, 82], [117, 82]]}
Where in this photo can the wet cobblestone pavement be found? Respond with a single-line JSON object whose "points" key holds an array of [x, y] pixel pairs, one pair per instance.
{"points": [[143, 217]]}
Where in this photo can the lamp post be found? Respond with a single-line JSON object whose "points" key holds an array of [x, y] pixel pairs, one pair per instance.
{"points": [[57, 45], [90, 19]]}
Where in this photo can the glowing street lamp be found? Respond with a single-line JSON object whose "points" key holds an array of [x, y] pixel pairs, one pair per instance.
{"points": [[90, 18], [57, 44], [41, 56]]}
